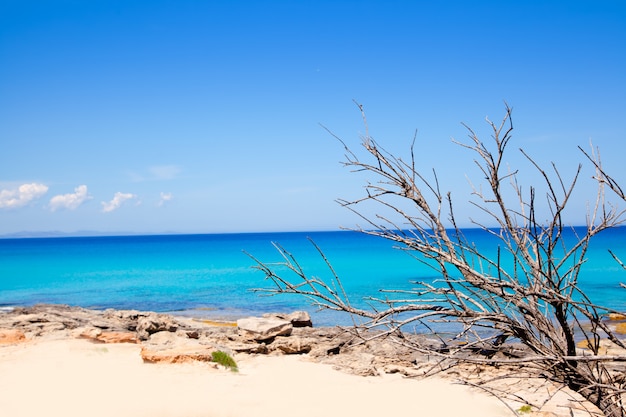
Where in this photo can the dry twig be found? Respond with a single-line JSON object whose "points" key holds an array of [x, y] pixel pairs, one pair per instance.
{"points": [[529, 292]]}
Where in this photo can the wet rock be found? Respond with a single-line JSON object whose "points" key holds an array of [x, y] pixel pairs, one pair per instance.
{"points": [[620, 328], [617, 317], [605, 347]]}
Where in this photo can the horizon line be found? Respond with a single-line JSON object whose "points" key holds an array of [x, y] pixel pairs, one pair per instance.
{"points": [[96, 233]]}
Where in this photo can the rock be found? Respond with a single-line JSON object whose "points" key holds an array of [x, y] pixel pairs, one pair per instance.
{"points": [[39, 329], [401, 370], [164, 339], [256, 348], [91, 333], [292, 345], [620, 328], [363, 364], [263, 328], [170, 347], [617, 316], [11, 336], [328, 341], [126, 319], [96, 334], [193, 334], [297, 318], [180, 354], [300, 319], [153, 323], [101, 324], [605, 347], [25, 319], [118, 337]]}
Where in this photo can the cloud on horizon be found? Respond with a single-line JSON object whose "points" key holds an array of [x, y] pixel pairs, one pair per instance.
{"points": [[69, 201], [24, 194], [116, 202]]}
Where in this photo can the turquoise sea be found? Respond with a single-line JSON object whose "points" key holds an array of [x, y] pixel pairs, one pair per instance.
{"points": [[212, 276]]}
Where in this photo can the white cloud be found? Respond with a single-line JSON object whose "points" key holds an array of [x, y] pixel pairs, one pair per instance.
{"points": [[69, 201], [25, 193], [118, 200], [165, 197]]}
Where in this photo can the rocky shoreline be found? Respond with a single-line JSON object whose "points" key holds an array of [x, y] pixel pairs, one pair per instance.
{"points": [[171, 339], [163, 338]]}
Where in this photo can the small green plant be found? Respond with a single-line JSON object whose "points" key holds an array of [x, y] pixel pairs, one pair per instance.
{"points": [[225, 360], [525, 409]]}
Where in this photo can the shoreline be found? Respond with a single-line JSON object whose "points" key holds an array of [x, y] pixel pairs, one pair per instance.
{"points": [[131, 363]]}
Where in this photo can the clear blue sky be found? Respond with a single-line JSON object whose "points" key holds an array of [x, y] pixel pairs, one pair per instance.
{"points": [[204, 116]]}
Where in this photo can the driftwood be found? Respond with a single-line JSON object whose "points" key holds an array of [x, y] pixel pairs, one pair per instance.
{"points": [[528, 292]]}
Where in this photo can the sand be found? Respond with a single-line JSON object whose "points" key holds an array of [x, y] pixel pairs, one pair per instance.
{"points": [[72, 377]]}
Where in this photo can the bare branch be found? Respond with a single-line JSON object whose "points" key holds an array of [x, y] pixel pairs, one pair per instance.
{"points": [[527, 292]]}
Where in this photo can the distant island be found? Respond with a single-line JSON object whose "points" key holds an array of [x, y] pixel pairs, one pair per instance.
{"points": [[80, 233]]}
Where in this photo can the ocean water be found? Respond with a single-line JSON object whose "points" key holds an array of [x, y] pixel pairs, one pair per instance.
{"points": [[212, 276]]}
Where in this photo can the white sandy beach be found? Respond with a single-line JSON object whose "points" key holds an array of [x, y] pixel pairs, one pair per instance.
{"points": [[70, 377]]}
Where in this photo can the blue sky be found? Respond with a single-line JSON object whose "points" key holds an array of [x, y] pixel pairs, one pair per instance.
{"points": [[193, 117]]}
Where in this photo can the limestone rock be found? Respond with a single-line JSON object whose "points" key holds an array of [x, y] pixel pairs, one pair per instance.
{"points": [[620, 328], [363, 365], [125, 319], [164, 338], [96, 334], [180, 354], [605, 347], [170, 347], [292, 345], [263, 328], [153, 323], [250, 348], [617, 316], [11, 336], [118, 337], [89, 332], [297, 318]]}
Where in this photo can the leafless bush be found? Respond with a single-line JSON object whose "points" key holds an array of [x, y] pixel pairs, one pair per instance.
{"points": [[528, 292]]}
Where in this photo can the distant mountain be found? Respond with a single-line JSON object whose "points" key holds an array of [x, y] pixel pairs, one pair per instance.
{"points": [[81, 233]]}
